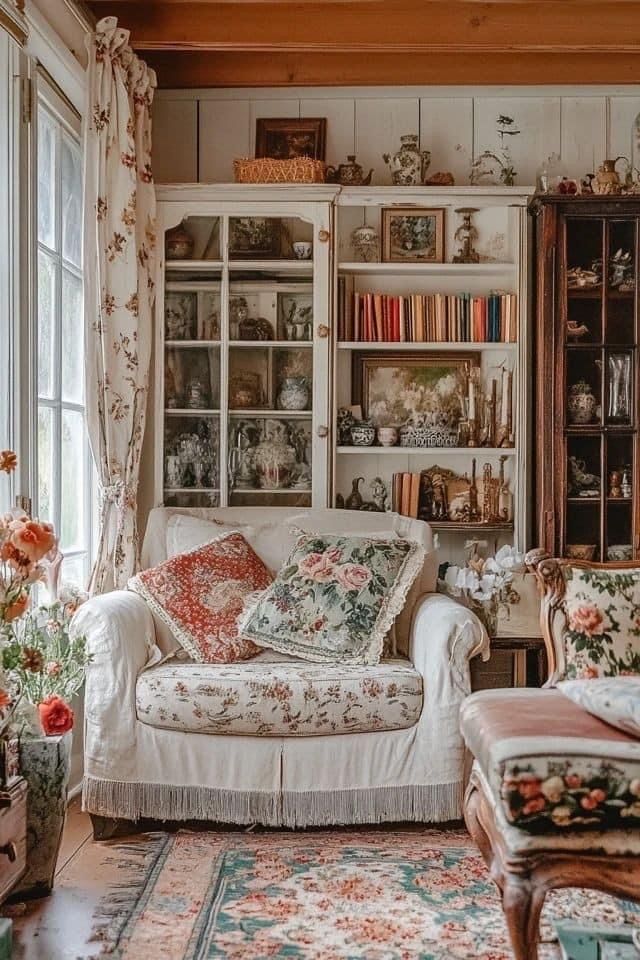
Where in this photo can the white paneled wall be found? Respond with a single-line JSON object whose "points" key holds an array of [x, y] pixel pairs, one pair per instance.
{"points": [[197, 133]]}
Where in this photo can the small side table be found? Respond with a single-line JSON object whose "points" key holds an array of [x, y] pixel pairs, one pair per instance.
{"points": [[13, 835], [517, 662]]}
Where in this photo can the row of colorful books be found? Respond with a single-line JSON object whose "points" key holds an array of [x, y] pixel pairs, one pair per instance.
{"points": [[427, 318]]}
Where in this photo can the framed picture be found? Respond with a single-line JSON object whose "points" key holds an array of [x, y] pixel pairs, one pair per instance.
{"points": [[290, 137], [393, 388], [254, 238], [412, 235]]}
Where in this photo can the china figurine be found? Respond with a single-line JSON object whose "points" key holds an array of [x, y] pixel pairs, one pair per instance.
{"points": [[410, 164], [354, 501], [466, 234], [196, 395], [349, 174], [294, 394], [275, 458], [581, 404], [607, 178], [366, 243]]}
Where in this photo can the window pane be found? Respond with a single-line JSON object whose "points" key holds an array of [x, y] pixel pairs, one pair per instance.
{"points": [[71, 202], [45, 465], [74, 571], [46, 179], [47, 275], [73, 478], [72, 379]]}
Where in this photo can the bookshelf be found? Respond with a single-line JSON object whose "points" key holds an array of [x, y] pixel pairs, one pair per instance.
{"points": [[500, 219]]}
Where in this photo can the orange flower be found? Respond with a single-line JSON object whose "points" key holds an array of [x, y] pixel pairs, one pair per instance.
{"points": [[8, 461], [32, 538], [5, 699], [586, 618], [56, 716], [14, 610]]}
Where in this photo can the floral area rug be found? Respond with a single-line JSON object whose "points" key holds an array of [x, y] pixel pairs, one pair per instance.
{"points": [[370, 895]]}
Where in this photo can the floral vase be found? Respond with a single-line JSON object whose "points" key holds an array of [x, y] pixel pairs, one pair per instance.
{"points": [[487, 612], [45, 764]]}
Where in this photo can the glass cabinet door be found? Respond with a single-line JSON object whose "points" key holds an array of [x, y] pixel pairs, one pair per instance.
{"points": [[600, 358], [246, 353]]}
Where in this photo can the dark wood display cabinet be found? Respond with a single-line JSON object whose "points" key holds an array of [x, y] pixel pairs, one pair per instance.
{"points": [[586, 366]]}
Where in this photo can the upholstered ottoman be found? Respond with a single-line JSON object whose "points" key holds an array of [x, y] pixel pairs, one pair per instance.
{"points": [[553, 801]]}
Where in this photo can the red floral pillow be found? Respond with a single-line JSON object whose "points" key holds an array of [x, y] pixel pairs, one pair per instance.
{"points": [[200, 594]]}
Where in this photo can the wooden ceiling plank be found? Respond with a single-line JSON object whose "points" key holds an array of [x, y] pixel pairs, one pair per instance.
{"points": [[409, 26], [185, 70]]}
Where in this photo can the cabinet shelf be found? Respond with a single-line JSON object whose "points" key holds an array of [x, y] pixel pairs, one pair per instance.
{"points": [[268, 492], [190, 412], [425, 346], [173, 490], [257, 413], [273, 344], [398, 451], [453, 526], [595, 293], [199, 265], [272, 266], [192, 343], [487, 269]]}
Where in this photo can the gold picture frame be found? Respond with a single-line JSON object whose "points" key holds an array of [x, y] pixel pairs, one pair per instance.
{"points": [[413, 234], [287, 138]]}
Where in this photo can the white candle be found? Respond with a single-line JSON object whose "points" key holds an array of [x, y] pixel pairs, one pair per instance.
{"points": [[472, 399], [504, 399]]}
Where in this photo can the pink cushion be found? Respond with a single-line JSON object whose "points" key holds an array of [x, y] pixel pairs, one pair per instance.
{"points": [[199, 595]]}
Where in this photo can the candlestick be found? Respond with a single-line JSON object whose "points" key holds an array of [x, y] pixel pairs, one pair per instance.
{"points": [[472, 398]]}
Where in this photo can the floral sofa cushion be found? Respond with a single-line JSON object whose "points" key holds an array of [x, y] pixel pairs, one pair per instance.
{"points": [[602, 635], [286, 699], [335, 598], [200, 594], [615, 700]]}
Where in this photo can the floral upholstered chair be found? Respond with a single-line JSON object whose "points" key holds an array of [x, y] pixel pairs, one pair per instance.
{"points": [[554, 795]]}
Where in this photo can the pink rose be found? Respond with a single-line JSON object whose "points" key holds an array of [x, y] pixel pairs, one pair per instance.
{"points": [[587, 618], [533, 806], [573, 781], [529, 787], [352, 576], [317, 566]]}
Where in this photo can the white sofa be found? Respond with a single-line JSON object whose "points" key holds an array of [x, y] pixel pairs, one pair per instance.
{"points": [[274, 740]]}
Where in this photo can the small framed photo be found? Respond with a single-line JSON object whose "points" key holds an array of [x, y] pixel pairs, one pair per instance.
{"points": [[289, 138], [412, 235]]}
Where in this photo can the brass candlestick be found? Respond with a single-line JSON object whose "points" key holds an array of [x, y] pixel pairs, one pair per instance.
{"points": [[473, 433]]}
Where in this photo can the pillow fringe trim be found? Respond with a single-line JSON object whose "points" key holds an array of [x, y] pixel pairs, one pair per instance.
{"points": [[420, 803]]}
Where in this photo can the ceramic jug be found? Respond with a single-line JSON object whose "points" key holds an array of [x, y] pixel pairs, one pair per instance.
{"points": [[349, 174], [607, 178], [410, 164], [294, 394]]}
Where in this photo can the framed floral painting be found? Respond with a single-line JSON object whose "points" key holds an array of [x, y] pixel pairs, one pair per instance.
{"points": [[393, 388], [412, 235]]}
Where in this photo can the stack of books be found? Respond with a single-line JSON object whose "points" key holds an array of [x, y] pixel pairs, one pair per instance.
{"points": [[427, 318]]}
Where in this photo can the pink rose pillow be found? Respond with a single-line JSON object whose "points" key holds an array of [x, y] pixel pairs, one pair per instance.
{"points": [[335, 598], [200, 594]]}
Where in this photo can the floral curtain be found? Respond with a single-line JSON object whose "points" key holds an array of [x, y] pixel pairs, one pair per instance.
{"points": [[119, 265]]}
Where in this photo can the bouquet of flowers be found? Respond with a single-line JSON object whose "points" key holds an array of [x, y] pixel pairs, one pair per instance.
{"points": [[485, 584], [39, 663]]}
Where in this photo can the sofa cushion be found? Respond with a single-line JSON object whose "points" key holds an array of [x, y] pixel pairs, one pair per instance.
{"points": [[286, 699], [602, 635], [200, 594], [551, 765], [272, 540], [335, 598], [615, 700]]}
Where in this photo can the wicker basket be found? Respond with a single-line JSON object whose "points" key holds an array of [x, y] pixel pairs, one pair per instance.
{"points": [[266, 170]]}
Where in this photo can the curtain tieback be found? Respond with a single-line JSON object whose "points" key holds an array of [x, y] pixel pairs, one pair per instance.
{"points": [[119, 493]]}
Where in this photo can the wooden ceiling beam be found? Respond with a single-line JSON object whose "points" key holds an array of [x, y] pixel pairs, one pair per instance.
{"points": [[375, 27], [203, 69]]}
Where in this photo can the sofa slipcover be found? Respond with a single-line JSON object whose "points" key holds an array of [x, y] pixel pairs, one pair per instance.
{"points": [[287, 699]]}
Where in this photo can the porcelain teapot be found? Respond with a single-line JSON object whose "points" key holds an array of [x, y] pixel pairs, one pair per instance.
{"points": [[349, 174], [410, 164]]}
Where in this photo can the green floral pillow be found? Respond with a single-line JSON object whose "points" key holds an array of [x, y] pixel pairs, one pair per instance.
{"points": [[602, 636], [335, 598]]}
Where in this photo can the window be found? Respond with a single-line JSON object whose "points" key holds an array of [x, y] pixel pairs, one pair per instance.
{"points": [[64, 474]]}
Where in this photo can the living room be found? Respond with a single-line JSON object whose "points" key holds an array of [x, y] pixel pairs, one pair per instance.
{"points": [[319, 486]]}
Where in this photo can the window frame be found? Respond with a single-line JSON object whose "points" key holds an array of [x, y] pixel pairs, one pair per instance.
{"points": [[45, 96]]}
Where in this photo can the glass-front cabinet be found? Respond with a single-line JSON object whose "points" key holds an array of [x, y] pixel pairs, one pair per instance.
{"points": [[242, 346], [587, 361]]}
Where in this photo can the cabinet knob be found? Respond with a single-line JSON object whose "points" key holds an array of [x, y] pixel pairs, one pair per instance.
{"points": [[324, 236], [9, 850], [323, 431], [322, 330]]}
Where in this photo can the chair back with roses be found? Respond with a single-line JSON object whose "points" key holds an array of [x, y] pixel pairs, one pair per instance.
{"points": [[589, 615]]}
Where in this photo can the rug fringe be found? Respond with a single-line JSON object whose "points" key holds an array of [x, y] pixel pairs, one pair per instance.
{"points": [[431, 803]]}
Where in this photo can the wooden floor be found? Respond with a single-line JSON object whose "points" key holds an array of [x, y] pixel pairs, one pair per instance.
{"points": [[59, 927]]}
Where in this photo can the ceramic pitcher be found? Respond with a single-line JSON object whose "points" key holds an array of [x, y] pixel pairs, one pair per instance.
{"points": [[410, 164]]}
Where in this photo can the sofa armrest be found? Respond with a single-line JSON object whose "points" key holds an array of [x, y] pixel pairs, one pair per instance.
{"points": [[120, 637], [445, 635]]}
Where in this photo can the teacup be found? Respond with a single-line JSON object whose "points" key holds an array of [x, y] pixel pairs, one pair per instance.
{"points": [[387, 436], [302, 249]]}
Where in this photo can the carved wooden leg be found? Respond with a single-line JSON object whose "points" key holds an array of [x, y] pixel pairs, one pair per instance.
{"points": [[472, 800], [522, 903]]}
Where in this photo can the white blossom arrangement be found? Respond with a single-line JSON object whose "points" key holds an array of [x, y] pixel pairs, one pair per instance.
{"points": [[485, 584]]}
